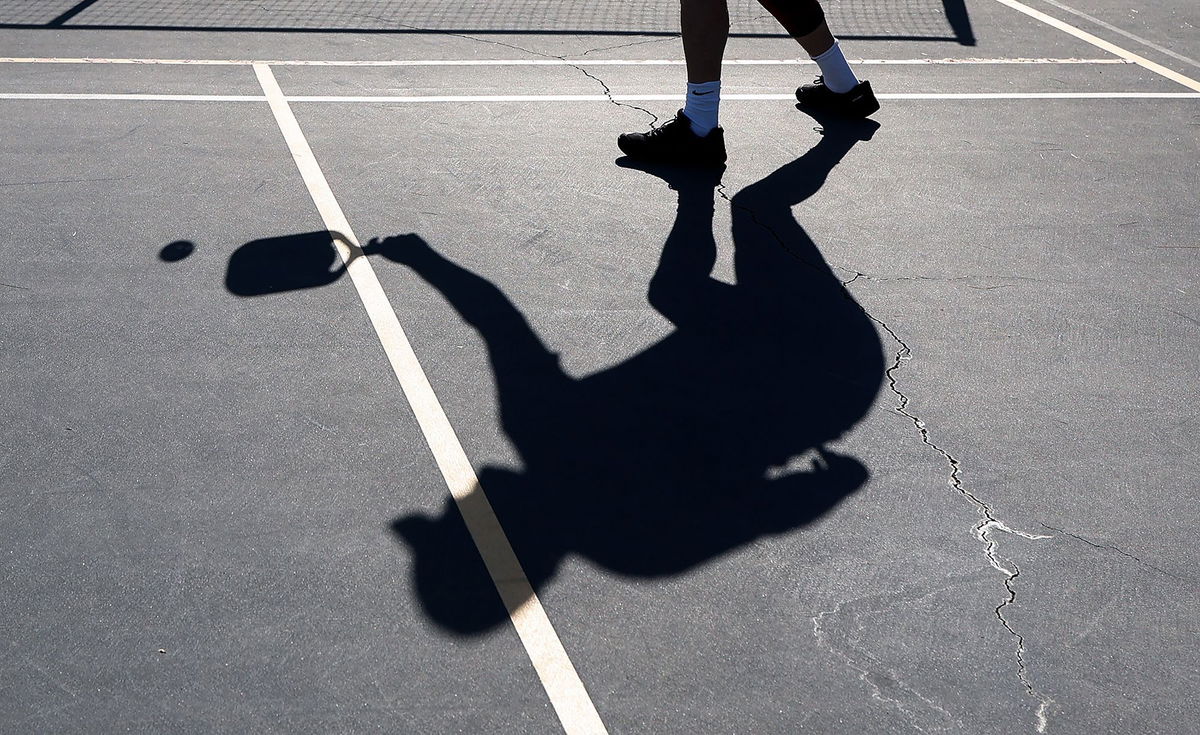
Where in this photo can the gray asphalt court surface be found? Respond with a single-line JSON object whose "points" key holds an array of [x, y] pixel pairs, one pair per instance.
{"points": [[352, 381]]}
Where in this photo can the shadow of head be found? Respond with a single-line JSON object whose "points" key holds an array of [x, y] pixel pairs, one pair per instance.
{"points": [[639, 534], [448, 575]]}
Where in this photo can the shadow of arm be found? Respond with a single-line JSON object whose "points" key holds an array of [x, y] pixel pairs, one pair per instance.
{"points": [[512, 344]]}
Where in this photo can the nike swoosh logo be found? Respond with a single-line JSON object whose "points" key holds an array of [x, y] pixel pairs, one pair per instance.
{"points": [[701, 93]]}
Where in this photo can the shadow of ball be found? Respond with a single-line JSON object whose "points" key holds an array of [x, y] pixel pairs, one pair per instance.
{"points": [[177, 250]]}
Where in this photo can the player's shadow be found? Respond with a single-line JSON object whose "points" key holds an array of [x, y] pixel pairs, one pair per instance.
{"points": [[712, 437]]}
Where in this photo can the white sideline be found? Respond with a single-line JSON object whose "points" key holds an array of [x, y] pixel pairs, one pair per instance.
{"points": [[417, 99], [566, 691], [541, 62], [1131, 36], [746, 97], [132, 97], [1100, 43]]}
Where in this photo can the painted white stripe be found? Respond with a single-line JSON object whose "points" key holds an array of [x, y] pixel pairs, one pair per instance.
{"points": [[486, 98], [134, 97], [543, 62], [747, 97], [1041, 96], [1145, 42], [561, 681], [418, 99], [1100, 43]]}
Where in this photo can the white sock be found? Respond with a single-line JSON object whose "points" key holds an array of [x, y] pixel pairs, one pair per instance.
{"points": [[703, 99], [839, 77]]}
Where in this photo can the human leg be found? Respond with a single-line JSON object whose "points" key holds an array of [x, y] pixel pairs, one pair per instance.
{"points": [[804, 20], [838, 89], [693, 136], [705, 28]]}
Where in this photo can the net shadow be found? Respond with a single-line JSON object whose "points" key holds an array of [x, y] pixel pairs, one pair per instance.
{"points": [[927, 20]]}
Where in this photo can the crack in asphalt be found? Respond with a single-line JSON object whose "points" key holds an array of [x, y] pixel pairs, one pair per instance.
{"points": [[982, 530], [982, 533], [608, 92], [1003, 281], [64, 181], [604, 86], [642, 42], [874, 673], [1122, 552], [988, 522]]}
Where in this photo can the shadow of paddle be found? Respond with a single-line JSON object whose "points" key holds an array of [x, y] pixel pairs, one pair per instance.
{"points": [[287, 263]]}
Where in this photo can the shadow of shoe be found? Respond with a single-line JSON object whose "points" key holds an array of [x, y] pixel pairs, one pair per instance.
{"points": [[677, 176], [834, 124]]}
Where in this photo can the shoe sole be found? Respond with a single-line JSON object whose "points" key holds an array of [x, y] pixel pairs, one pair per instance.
{"points": [[633, 152], [867, 110], [866, 101]]}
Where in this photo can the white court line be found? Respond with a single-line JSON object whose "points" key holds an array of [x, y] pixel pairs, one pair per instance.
{"points": [[544, 62], [1100, 43], [1036, 96], [750, 97], [561, 681], [133, 97], [1145, 42], [418, 99]]}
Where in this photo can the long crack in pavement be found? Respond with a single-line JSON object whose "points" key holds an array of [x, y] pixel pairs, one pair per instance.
{"points": [[604, 86], [988, 521]]}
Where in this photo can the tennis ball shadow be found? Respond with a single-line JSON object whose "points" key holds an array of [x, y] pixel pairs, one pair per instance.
{"points": [[176, 251]]}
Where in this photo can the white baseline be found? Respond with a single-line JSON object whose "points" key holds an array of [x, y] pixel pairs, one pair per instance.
{"points": [[530, 98], [542, 62]]}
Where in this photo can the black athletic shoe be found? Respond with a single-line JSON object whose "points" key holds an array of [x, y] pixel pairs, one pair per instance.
{"points": [[858, 102], [674, 142]]}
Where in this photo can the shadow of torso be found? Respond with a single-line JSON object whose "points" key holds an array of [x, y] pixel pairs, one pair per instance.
{"points": [[690, 448]]}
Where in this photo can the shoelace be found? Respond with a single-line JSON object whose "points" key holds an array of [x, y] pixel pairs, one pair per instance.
{"points": [[662, 129]]}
